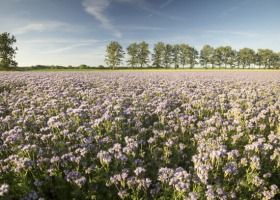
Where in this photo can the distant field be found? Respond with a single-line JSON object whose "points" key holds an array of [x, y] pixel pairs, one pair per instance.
{"points": [[185, 134], [144, 69]]}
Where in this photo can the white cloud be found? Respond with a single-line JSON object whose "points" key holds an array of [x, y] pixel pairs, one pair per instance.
{"points": [[60, 50], [60, 41], [234, 33], [96, 8], [42, 26], [145, 6], [147, 28], [165, 4], [228, 11]]}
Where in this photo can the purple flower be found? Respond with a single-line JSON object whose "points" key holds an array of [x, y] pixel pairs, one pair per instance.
{"points": [[4, 189], [139, 170], [230, 168]]}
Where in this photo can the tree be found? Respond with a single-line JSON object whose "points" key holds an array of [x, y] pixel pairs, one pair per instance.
{"points": [[193, 56], [251, 57], [83, 66], [274, 60], [184, 56], [206, 54], [278, 60], [167, 59], [257, 60], [218, 56], [233, 60], [143, 53], [114, 55], [228, 55], [224, 55], [157, 56], [133, 52], [246, 57], [176, 55], [242, 57], [7, 51], [266, 57]]}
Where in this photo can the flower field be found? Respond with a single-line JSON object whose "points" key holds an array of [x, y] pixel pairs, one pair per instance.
{"points": [[139, 135]]}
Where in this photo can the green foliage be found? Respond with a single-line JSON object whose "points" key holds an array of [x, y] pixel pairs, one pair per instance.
{"points": [[206, 55], [184, 56], [233, 60], [193, 56], [101, 66], [278, 61], [114, 55], [167, 55], [7, 51], [176, 55], [132, 51], [189, 55], [267, 57], [139, 54], [83, 66], [224, 55], [158, 54], [143, 53], [228, 53], [246, 57], [275, 60]]}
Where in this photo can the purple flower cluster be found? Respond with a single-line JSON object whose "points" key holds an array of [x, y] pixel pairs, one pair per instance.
{"points": [[132, 135]]}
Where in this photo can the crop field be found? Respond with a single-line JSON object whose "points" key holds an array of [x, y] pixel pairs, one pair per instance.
{"points": [[140, 135]]}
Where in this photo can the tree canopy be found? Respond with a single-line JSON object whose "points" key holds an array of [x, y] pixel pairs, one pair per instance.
{"points": [[167, 55], [114, 55], [7, 51]]}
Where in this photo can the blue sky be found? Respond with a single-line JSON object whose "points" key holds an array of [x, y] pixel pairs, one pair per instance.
{"points": [[74, 32]]}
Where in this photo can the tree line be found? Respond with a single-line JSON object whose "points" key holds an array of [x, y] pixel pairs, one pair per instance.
{"points": [[183, 55], [165, 56]]}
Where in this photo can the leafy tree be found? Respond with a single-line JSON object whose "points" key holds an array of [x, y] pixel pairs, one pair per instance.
{"points": [[7, 51], [212, 60], [193, 56], [206, 55], [133, 52], [167, 59], [246, 57], [257, 60], [184, 55], [233, 60], [278, 60], [224, 55], [242, 57], [176, 55], [228, 54], [100, 66], [158, 54], [83, 66], [143, 53], [251, 57], [266, 57], [114, 55], [274, 60], [218, 56]]}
